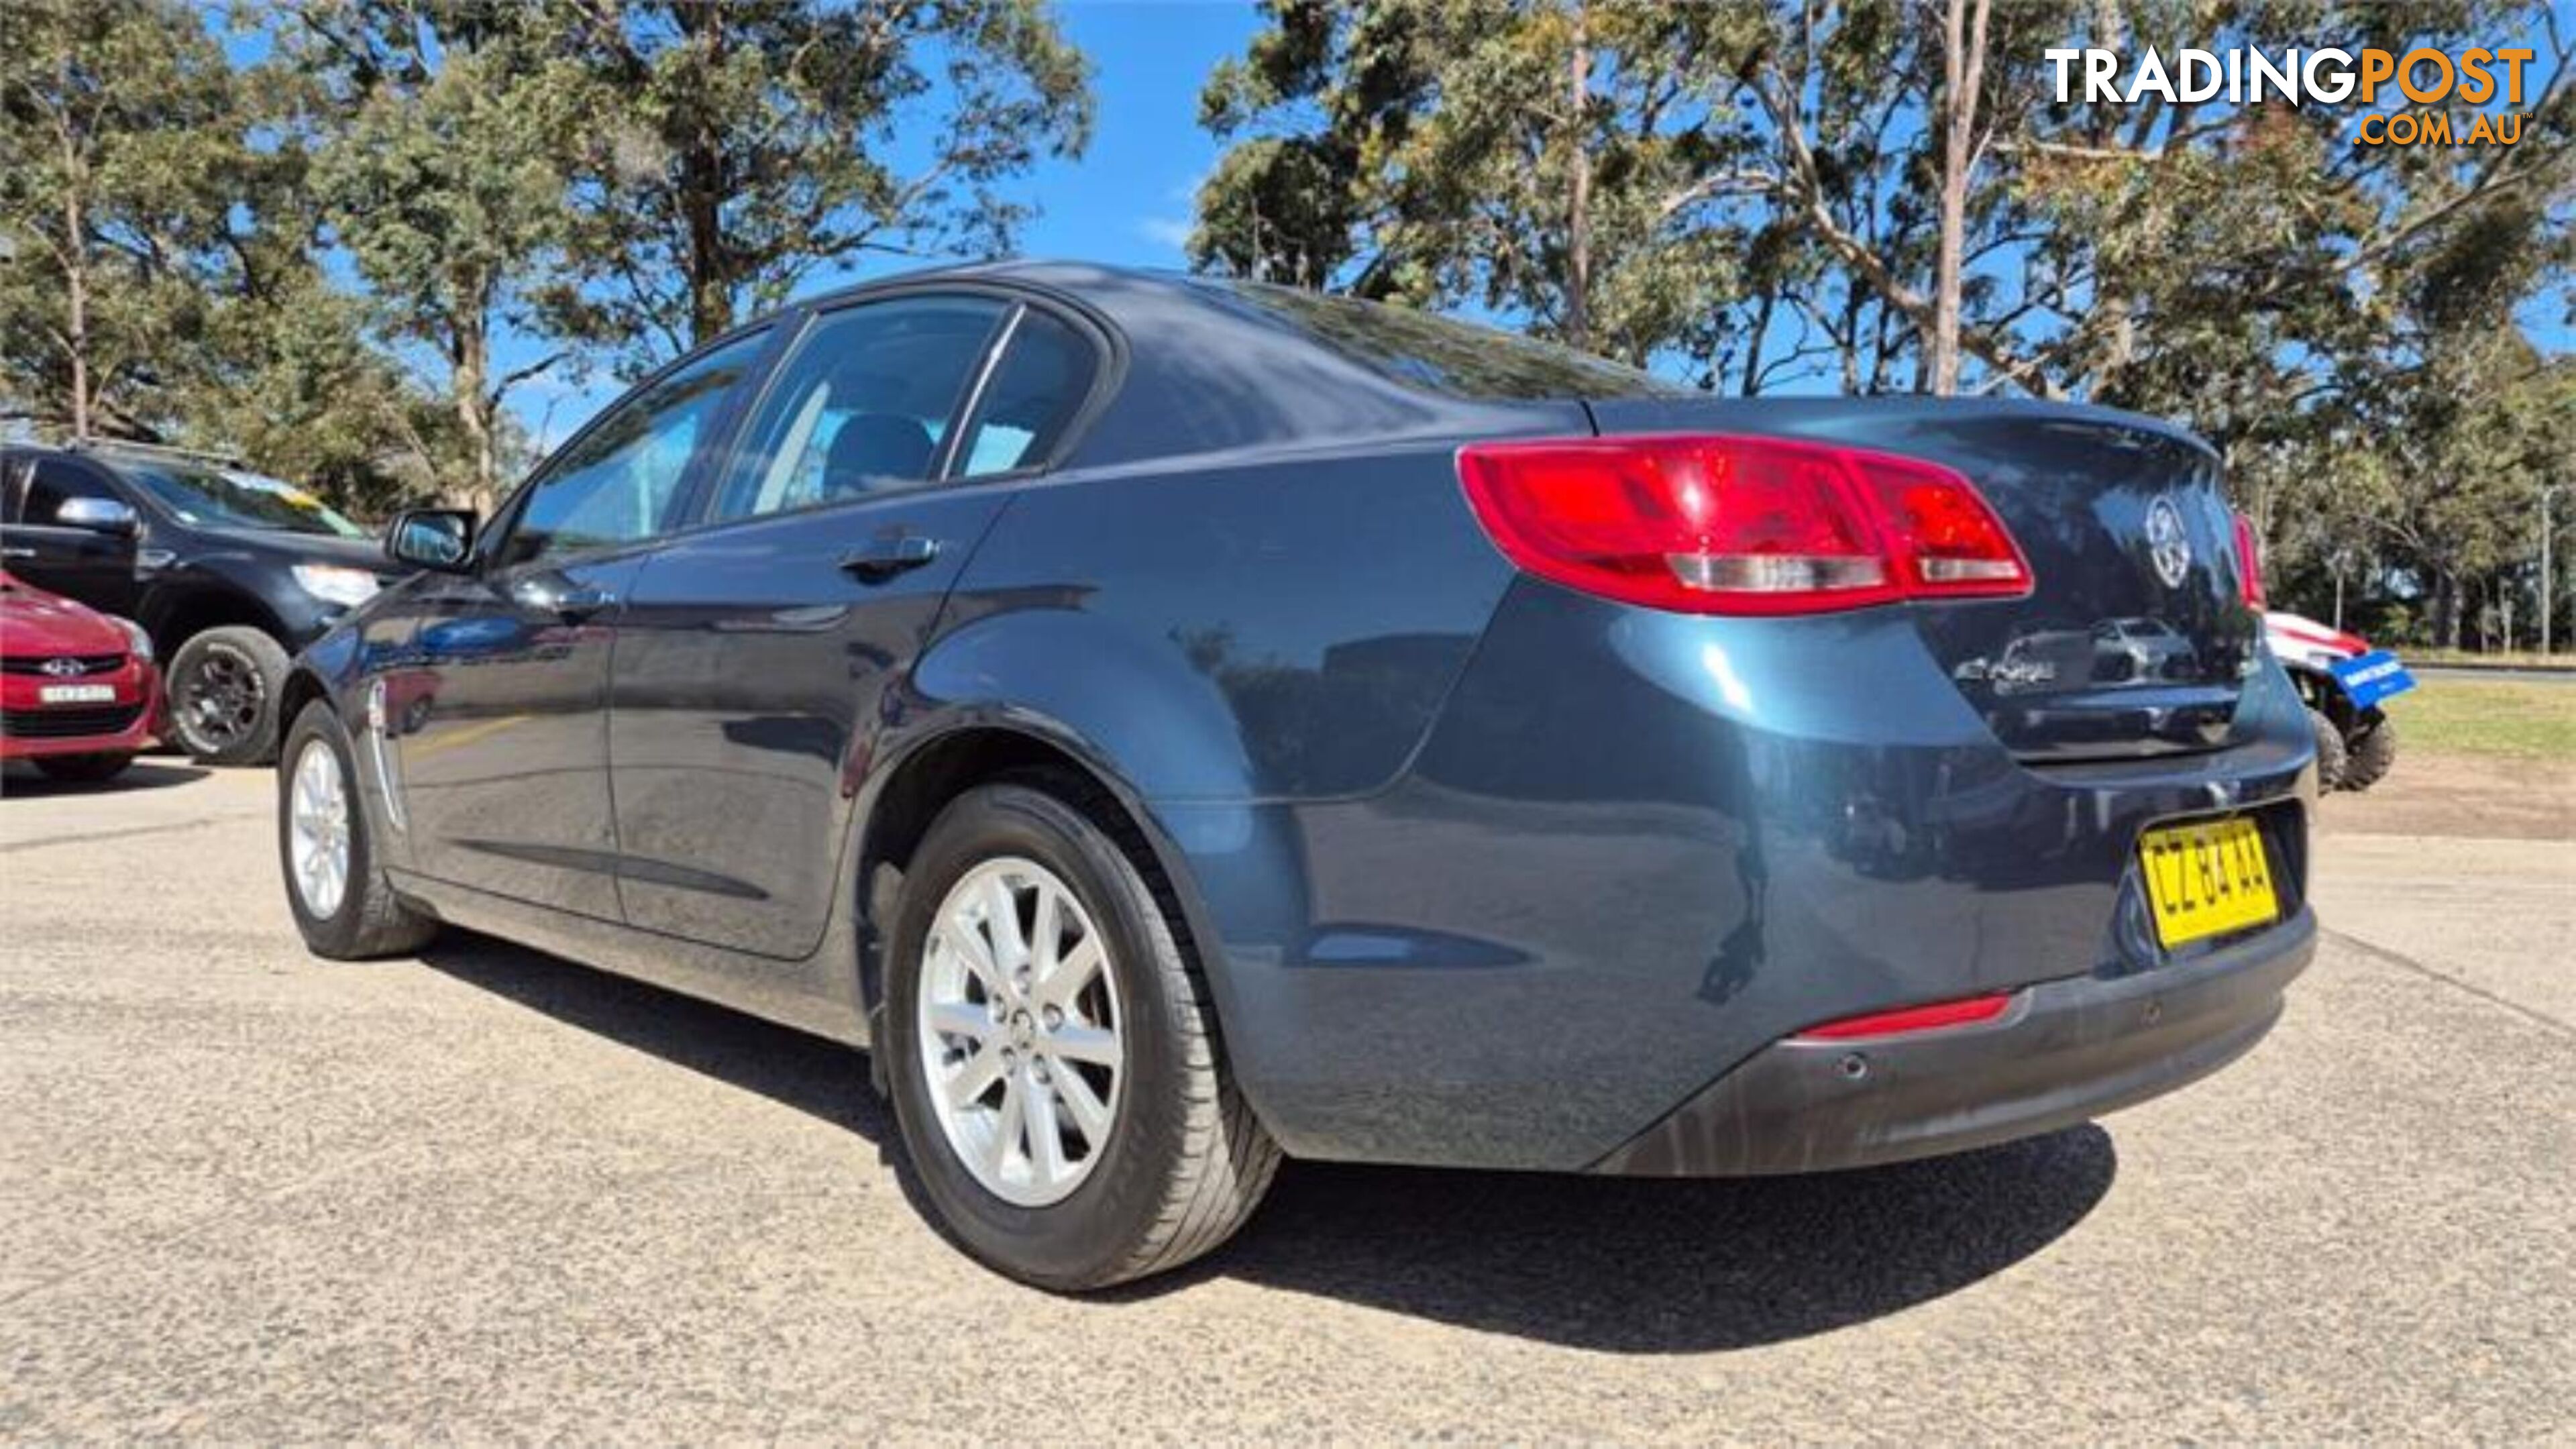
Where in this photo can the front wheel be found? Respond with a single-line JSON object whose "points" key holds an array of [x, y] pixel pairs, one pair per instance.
{"points": [[343, 905], [1053, 1056], [224, 686]]}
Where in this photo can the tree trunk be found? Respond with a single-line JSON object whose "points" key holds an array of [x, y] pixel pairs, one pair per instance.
{"points": [[471, 382], [2446, 611], [1578, 219], [710, 285], [76, 306], [1963, 62], [1752, 386]]}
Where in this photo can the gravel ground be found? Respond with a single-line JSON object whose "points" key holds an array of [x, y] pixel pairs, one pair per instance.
{"points": [[248, 1195]]}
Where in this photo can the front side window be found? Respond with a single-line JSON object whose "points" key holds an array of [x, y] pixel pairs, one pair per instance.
{"points": [[862, 405], [621, 482]]}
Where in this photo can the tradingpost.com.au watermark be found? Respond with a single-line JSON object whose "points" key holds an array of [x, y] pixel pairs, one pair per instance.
{"points": [[2424, 76]]}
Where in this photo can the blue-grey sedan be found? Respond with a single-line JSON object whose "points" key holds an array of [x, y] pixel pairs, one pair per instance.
{"points": [[1175, 724]]}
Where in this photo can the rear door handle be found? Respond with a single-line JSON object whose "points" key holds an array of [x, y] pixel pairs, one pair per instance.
{"points": [[883, 557]]}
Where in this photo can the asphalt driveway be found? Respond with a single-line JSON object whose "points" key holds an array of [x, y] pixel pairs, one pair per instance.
{"points": [[248, 1195]]}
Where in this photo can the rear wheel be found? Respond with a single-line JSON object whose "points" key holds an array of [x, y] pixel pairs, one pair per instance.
{"points": [[343, 905], [2331, 759], [83, 769], [2370, 751], [1052, 1053], [224, 687]]}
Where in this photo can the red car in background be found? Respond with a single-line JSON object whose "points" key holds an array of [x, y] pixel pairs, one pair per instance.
{"points": [[78, 691]]}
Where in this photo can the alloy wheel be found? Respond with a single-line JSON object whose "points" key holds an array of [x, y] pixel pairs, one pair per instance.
{"points": [[1019, 1033], [318, 830]]}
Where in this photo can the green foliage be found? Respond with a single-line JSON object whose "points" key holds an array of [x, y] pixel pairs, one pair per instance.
{"points": [[720, 154], [157, 278], [626, 179], [436, 169], [1444, 151]]}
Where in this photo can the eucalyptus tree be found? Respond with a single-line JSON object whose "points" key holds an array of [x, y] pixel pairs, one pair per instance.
{"points": [[438, 174], [122, 159], [720, 155]]}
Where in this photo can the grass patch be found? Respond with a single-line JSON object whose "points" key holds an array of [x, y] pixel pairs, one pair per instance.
{"points": [[2520, 719], [2517, 659]]}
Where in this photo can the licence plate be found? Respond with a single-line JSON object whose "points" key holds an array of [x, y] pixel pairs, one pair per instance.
{"points": [[2206, 878], [76, 694]]}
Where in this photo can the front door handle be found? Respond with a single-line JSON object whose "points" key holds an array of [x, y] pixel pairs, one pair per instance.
{"points": [[883, 557], [570, 602]]}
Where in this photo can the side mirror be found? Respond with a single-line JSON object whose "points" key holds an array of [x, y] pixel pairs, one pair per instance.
{"points": [[432, 538], [111, 516]]}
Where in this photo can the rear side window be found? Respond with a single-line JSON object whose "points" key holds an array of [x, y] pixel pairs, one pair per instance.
{"points": [[1030, 399], [862, 406], [1434, 353]]}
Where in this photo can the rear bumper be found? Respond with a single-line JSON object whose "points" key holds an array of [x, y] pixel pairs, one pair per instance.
{"points": [[2066, 1051]]}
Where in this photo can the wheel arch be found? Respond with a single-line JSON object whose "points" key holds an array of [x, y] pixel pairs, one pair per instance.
{"points": [[191, 609], [303, 686], [978, 747]]}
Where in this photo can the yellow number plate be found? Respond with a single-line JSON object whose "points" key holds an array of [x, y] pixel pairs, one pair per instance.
{"points": [[2206, 878]]}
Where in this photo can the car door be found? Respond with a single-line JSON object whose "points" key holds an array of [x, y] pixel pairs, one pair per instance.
{"points": [[759, 654], [502, 744], [93, 565]]}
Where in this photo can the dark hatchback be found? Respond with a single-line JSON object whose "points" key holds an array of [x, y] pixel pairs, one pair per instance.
{"points": [[1175, 723]]}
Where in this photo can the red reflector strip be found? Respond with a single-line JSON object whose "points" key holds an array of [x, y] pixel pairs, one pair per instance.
{"points": [[2249, 561], [1939, 1014]]}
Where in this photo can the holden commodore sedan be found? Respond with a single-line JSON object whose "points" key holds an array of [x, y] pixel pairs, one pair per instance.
{"points": [[1175, 724]]}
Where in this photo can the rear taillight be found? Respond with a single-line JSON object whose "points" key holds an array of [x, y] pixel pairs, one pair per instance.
{"points": [[1966, 1011], [2249, 561], [1727, 525]]}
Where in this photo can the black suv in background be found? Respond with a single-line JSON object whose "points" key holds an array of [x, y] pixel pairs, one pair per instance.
{"points": [[228, 571]]}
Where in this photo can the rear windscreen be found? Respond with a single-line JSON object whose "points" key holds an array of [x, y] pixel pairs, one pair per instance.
{"points": [[1434, 353]]}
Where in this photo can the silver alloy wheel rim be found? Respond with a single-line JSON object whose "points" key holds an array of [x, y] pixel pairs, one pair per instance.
{"points": [[1018, 1028], [318, 830]]}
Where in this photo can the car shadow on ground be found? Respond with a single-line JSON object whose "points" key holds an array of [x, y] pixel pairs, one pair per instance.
{"points": [[22, 780], [1615, 1265]]}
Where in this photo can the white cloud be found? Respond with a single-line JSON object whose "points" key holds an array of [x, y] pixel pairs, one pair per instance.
{"points": [[1173, 232]]}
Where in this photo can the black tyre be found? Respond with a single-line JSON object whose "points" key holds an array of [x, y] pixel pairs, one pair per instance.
{"points": [[1052, 1052], [83, 769], [342, 903], [2370, 751], [2331, 760], [224, 687]]}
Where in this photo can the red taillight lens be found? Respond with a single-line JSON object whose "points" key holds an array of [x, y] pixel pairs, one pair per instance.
{"points": [[1939, 1014], [2249, 561], [1724, 525]]}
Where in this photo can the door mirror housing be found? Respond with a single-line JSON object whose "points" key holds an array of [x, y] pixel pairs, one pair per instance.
{"points": [[432, 538], [110, 516]]}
